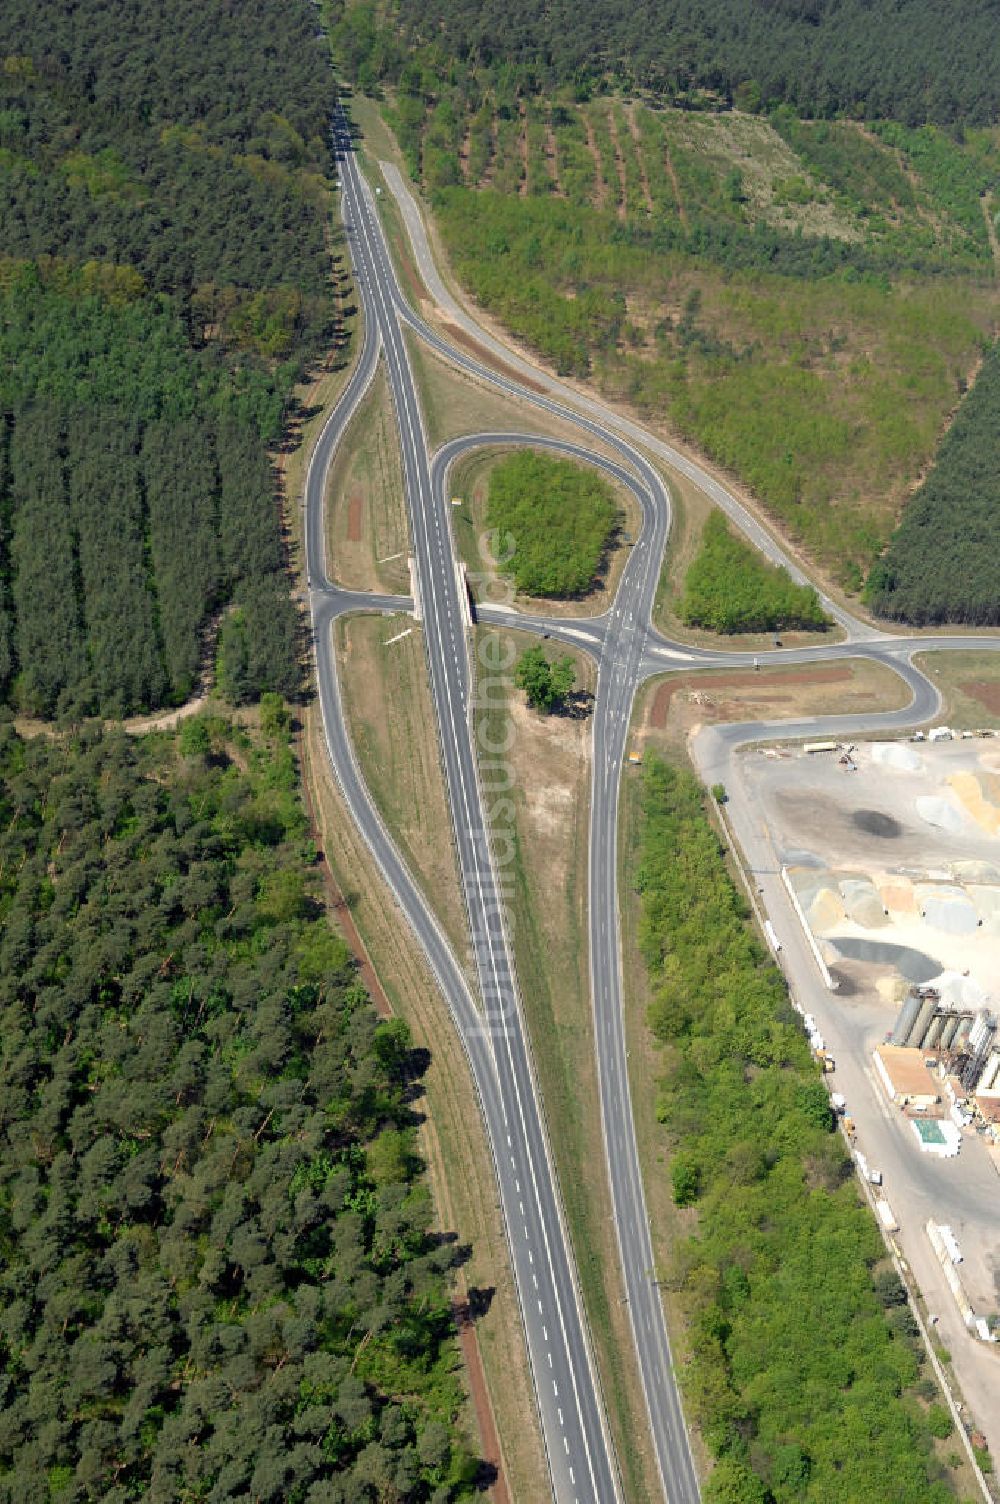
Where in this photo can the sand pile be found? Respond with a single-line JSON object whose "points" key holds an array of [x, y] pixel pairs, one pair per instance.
{"points": [[941, 813], [897, 755], [959, 991], [979, 794], [987, 902], [947, 909], [896, 893], [862, 902], [891, 989], [972, 871], [825, 910]]}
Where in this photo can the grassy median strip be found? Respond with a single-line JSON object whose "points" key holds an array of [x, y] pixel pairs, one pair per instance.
{"points": [[542, 866], [367, 528], [387, 704], [453, 1137]]}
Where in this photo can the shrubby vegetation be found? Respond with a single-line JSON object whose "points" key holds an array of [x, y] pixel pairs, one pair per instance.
{"points": [[730, 587], [803, 1362], [560, 518], [943, 563], [218, 1276], [164, 280], [547, 685], [801, 299], [820, 392]]}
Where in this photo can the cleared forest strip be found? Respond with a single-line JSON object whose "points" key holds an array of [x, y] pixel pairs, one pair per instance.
{"points": [[636, 134], [619, 165]]}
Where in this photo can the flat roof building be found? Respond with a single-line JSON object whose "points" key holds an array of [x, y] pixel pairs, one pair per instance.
{"points": [[905, 1078]]}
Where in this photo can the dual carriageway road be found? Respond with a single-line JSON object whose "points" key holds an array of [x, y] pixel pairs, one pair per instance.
{"points": [[628, 650]]}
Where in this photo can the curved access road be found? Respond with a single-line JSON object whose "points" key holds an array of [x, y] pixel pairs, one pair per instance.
{"points": [[628, 649], [580, 1455]]}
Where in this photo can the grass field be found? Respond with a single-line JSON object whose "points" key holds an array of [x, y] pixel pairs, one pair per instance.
{"points": [[970, 685], [547, 915], [452, 1134], [455, 403], [669, 709], [367, 528], [387, 705]]}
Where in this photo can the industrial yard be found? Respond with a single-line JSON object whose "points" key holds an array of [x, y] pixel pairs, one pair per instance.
{"points": [[889, 857]]}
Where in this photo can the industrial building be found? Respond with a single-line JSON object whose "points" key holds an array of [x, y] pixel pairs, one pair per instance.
{"points": [[964, 1039], [963, 1043], [906, 1079]]}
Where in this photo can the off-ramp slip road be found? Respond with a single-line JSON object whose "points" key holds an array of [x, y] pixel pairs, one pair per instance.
{"points": [[627, 650]]}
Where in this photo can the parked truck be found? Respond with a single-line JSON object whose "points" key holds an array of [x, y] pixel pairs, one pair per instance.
{"points": [[886, 1215]]}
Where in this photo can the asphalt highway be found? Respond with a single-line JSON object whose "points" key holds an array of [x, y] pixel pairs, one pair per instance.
{"points": [[625, 634], [628, 650], [581, 1459]]}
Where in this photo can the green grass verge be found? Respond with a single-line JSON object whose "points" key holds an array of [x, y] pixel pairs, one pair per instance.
{"points": [[804, 1357]]}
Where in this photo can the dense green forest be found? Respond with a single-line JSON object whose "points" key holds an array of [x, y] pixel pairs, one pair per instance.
{"points": [[805, 1369], [164, 281], [730, 587], [218, 1275], [943, 562], [557, 520], [868, 57]]}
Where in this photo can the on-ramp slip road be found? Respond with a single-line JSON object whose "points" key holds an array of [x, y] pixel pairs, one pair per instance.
{"points": [[628, 650], [581, 1459]]}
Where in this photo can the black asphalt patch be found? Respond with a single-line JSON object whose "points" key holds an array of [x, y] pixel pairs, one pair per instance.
{"points": [[875, 823]]}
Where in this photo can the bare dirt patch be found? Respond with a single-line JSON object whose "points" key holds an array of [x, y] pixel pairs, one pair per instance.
{"points": [[455, 403], [354, 518], [552, 160], [636, 134], [464, 339], [668, 163], [759, 684], [522, 147], [986, 693], [619, 166], [670, 710], [600, 182], [969, 683]]}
